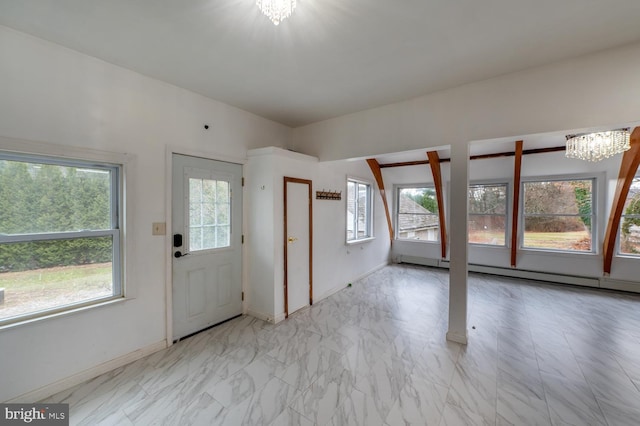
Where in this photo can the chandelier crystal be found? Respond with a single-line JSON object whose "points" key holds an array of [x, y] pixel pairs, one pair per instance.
{"points": [[597, 146], [276, 10]]}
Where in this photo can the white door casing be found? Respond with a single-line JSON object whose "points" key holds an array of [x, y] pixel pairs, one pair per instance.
{"points": [[207, 263], [298, 244]]}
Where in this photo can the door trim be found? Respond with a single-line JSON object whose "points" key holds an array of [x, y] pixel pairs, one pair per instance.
{"points": [[309, 183], [168, 241]]}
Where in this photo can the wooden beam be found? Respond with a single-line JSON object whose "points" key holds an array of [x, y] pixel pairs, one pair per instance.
{"points": [[405, 163], [628, 169], [516, 202], [513, 153], [434, 162], [377, 174], [479, 157]]}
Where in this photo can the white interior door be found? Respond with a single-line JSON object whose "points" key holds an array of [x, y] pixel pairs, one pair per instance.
{"points": [[207, 238], [298, 244]]}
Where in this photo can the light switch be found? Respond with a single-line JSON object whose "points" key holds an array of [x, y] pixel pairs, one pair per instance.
{"points": [[159, 228]]}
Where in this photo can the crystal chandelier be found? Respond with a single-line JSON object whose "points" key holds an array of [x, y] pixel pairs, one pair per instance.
{"points": [[276, 10], [597, 146]]}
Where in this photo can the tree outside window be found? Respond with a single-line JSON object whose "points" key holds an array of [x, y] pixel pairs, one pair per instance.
{"points": [[630, 228], [59, 234], [417, 217], [488, 214], [558, 215]]}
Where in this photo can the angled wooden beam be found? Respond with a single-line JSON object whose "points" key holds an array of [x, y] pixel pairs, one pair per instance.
{"points": [[517, 168], [377, 174], [434, 162], [628, 169]]}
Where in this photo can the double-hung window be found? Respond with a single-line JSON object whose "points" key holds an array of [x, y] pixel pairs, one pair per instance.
{"points": [[359, 210], [630, 223], [417, 213], [488, 214], [60, 234], [559, 214]]}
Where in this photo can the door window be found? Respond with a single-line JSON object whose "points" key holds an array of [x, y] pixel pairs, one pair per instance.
{"points": [[209, 225]]}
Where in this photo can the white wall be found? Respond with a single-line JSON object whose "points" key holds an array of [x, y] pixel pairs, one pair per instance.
{"points": [[335, 263], [54, 95], [594, 90]]}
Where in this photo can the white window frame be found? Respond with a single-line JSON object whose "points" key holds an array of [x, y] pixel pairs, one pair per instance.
{"points": [[122, 183], [596, 208], [508, 207], [396, 211], [368, 215]]}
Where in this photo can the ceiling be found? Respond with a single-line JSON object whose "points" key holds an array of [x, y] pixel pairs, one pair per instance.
{"points": [[332, 57]]}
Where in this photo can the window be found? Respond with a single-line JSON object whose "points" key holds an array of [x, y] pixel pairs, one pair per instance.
{"points": [[488, 214], [209, 214], [630, 223], [59, 235], [417, 217], [359, 206], [558, 215]]}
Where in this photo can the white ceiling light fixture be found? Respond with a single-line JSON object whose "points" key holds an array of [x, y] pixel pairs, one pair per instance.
{"points": [[597, 146], [277, 10]]}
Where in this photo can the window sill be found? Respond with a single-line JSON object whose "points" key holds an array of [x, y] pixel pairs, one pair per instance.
{"points": [[408, 240], [61, 313], [560, 253], [361, 241], [627, 256]]}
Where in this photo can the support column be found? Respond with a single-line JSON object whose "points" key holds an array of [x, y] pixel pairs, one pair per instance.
{"points": [[458, 271], [434, 163]]}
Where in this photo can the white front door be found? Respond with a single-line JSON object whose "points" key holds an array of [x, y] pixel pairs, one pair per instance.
{"points": [[297, 244], [207, 238]]}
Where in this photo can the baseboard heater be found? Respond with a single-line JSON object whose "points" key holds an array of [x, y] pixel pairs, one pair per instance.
{"points": [[607, 283]]}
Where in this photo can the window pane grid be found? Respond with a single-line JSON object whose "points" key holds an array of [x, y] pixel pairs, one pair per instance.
{"points": [[487, 214], [558, 215], [59, 235], [417, 218], [629, 241], [358, 210], [209, 214]]}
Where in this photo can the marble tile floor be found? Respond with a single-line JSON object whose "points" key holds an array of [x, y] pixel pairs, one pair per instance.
{"points": [[376, 354]]}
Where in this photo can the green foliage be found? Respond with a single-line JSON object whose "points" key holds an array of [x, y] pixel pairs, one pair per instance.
{"points": [[552, 206], [633, 210], [45, 198], [427, 199], [583, 199]]}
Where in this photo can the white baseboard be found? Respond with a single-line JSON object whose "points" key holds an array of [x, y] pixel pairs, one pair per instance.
{"points": [[370, 271], [68, 382], [614, 284], [265, 317], [343, 286], [415, 260], [329, 293], [516, 273]]}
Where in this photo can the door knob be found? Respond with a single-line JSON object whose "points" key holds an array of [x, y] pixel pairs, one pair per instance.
{"points": [[292, 239]]}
